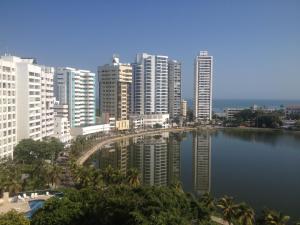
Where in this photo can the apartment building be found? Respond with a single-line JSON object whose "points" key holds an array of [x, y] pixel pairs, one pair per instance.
{"points": [[26, 100], [183, 108], [114, 89], [203, 86], [174, 85], [8, 114], [76, 88], [150, 84], [61, 123]]}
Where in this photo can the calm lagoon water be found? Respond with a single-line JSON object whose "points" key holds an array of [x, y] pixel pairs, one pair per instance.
{"points": [[261, 168]]}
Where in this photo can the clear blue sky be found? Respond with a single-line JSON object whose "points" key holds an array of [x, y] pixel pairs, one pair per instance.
{"points": [[255, 44]]}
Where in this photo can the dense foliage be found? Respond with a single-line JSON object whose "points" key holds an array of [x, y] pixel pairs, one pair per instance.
{"points": [[34, 166], [256, 118], [13, 218], [121, 204], [110, 197]]}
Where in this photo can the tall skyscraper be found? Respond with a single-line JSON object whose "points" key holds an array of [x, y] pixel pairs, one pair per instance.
{"points": [[150, 84], [203, 86], [174, 70], [115, 88], [201, 162], [26, 101], [76, 88]]}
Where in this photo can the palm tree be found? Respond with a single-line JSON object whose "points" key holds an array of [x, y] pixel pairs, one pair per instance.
{"points": [[177, 186], [83, 177], [14, 186], [208, 201], [133, 178], [245, 214], [229, 209], [54, 174], [107, 173], [272, 217]]}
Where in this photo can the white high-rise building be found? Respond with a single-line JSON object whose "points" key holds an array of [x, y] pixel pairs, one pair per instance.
{"points": [[8, 113], [27, 101], [76, 88], [150, 84], [203, 86], [174, 70]]}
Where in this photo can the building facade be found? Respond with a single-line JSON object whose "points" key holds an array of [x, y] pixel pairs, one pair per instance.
{"points": [[61, 123], [174, 86], [114, 89], [76, 88], [139, 121], [183, 108], [26, 100], [8, 104], [150, 84], [231, 112], [203, 86]]}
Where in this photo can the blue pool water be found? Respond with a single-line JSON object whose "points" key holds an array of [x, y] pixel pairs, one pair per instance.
{"points": [[34, 206]]}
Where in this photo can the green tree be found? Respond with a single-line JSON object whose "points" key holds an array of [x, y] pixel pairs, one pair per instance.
{"points": [[157, 125], [10, 177], [228, 208], [54, 174], [245, 214], [133, 177], [272, 217], [13, 218], [122, 204], [29, 151], [208, 201], [58, 212]]}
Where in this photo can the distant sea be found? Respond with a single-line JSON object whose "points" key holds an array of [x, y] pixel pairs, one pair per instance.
{"points": [[220, 104]]}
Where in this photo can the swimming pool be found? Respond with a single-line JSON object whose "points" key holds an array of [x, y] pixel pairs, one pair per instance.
{"points": [[34, 206]]}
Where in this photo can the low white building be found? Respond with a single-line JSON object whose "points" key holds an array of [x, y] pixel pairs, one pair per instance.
{"points": [[149, 120], [78, 131], [62, 129], [292, 110], [61, 123]]}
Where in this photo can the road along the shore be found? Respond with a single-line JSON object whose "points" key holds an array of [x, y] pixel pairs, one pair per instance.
{"points": [[102, 143]]}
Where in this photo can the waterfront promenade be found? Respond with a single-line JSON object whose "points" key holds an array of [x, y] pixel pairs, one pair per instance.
{"points": [[104, 142]]}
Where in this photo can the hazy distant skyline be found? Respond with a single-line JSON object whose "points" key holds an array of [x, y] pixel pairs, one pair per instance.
{"points": [[255, 44]]}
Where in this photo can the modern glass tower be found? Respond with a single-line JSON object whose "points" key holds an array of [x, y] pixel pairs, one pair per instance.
{"points": [[203, 86]]}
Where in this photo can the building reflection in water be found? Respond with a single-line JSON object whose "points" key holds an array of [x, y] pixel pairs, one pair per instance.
{"points": [[201, 163], [157, 158]]}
